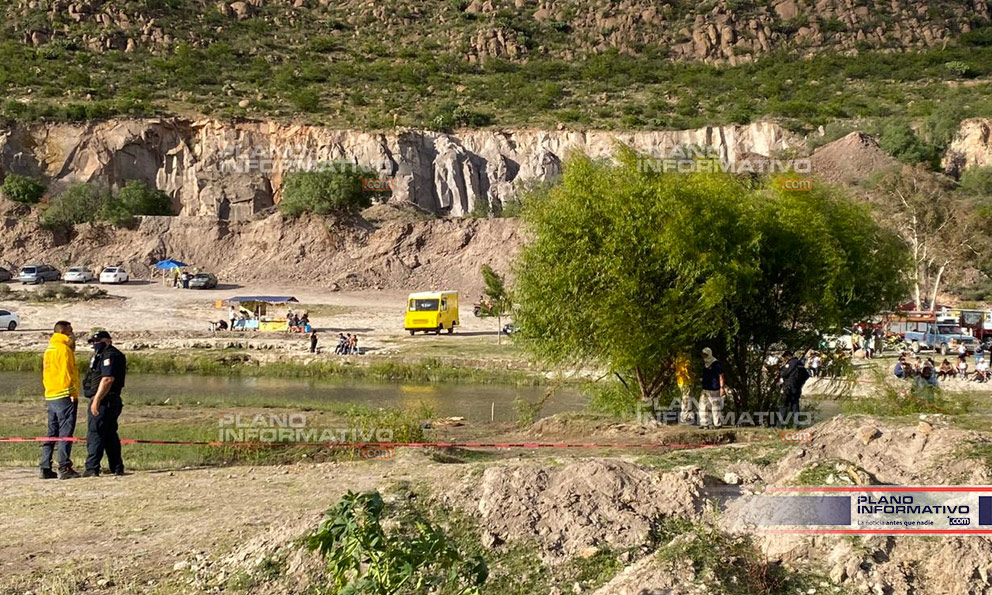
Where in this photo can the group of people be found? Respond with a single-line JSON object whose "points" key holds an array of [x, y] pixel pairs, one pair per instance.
{"points": [[297, 323], [791, 373], [180, 278], [347, 345], [869, 341], [818, 364], [926, 371], [102, 385]]}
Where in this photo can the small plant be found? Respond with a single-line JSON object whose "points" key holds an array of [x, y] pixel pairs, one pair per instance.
{"points": [[958, 68], [497, 302], [528, 411], [22, 189], [326, 192], [413, 556]]}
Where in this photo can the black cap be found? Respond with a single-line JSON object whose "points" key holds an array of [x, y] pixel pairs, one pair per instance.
{"points": [[98, 336]]}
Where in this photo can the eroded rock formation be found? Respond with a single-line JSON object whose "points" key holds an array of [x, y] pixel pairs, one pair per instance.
{"points": [[235, 170]]}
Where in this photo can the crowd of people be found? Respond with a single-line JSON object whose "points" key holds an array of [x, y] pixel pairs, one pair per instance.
{"points": [[297, 323], [927, 371]]}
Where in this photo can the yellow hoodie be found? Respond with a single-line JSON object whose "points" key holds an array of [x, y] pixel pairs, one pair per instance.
{"points": [[60, 374]]}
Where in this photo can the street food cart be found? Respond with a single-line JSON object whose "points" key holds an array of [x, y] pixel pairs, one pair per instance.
{"points": [[259, 312]]}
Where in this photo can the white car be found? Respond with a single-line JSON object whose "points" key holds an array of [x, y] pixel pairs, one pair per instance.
{"points": [[78, 275], [113, 275], [8, 320]]}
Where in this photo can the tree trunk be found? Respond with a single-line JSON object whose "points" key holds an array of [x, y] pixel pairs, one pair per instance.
{"points": [[936, 287]]}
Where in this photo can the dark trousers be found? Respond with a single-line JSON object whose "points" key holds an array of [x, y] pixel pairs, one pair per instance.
{"points": [[101, 436], [790, 404], [61, 424]]}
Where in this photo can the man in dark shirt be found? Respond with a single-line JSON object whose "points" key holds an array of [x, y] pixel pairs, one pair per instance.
{"points": [[794, 376], [104, 383], [714, 391]]}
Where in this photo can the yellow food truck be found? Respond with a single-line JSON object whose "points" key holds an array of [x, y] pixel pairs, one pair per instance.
{"points": [[432, 311]]}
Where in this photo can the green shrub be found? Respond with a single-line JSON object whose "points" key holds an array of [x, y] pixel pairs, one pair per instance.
{"points": [[977, 37], [900, 141], [305, 100], [80, 203], [333, 191], [22, 189], [614, 400], [958, 68], [86, 203], [977, 181], [411, 556], [138, 199]]}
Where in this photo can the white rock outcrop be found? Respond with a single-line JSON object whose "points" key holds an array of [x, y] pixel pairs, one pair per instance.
{"points": [[235, 170]]}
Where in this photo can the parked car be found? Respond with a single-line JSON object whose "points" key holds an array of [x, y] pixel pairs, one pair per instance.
{"points": [[5, 275], [944, 338], [38, 273], [8, 320], [113, 275], [203, 281], [78, 275]]}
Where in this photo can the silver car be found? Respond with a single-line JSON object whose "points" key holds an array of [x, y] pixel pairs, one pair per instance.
{"points": [[38, 273]]}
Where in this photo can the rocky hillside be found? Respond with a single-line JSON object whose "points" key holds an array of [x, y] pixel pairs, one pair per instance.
{"points": [[630, 64], [386, 249], [515, 30], [235, 170]]}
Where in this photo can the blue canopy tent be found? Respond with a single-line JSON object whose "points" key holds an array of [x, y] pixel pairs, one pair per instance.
{"points": [[170, 263], [266, 299]]}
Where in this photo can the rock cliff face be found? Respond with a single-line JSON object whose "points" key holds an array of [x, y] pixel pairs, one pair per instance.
{"points": [[971, 148], [233, 171]]}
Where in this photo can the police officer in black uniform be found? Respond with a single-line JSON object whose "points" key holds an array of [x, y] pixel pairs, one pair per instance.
{"points": [[103, 384]]}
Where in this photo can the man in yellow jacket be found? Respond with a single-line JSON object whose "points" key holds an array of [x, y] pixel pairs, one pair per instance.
{"points": [[61, 378]]}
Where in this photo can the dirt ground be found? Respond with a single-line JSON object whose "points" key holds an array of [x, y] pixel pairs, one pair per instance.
{"points": [[133, 530], [146, 314]]}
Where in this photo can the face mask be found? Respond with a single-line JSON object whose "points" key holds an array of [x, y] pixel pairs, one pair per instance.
{"points": [[98, 347]]}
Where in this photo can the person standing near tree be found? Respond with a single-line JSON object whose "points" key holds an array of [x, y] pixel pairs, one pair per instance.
{"points": [[794, 376], [684, 380], [714, 390], [61, 379]]}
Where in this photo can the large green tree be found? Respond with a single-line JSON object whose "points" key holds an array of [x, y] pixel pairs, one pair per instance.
{"points": [[823, 262], [628, 268]]}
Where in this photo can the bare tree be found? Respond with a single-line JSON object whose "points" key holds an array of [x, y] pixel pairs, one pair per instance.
{"points": [[938, 227]]}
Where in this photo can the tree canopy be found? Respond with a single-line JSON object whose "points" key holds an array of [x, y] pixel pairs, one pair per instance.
{"points": [[338, 190], [628, 268]]}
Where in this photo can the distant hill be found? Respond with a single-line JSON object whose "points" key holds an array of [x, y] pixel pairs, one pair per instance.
{"points": [[617, 64]]}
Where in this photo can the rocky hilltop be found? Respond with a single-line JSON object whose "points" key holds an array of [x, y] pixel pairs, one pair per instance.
{"points": [[234, 170], [477, 30]]}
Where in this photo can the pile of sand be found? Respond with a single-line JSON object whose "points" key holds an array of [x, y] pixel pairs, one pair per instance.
{"points": [[926, 453], [583, 506], [850, 160]]}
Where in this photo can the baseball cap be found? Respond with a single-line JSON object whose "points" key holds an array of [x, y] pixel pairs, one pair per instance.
{"points": [[98, 336]]}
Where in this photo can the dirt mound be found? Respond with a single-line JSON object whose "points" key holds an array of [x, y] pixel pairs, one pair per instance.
{"points": [[572, 510], [591, 427], [394, 252], [649, 577], [921, 454], [851, 159]]}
